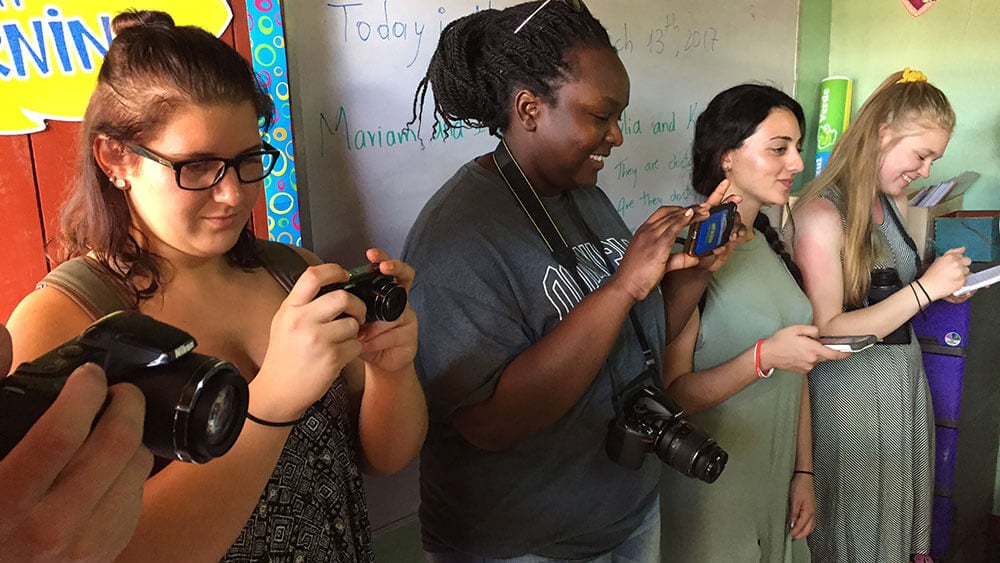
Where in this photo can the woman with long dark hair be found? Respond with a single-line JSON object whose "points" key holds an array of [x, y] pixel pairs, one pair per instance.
{"points": [[739, 366]]}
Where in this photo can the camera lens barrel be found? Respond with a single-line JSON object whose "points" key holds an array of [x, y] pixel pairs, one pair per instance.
{"points": [[195, 407], [691, 451], [384, 298]]}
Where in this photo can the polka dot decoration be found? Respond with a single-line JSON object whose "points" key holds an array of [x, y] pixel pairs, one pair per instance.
{"points": [[267, 43]]}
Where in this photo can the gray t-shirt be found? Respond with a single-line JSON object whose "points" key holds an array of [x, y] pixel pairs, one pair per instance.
{"points": [[487, 288]]}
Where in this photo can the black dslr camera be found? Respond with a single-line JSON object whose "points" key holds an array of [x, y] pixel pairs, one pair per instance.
{"points": [[384, 299], [651, 422], [195, 404]]}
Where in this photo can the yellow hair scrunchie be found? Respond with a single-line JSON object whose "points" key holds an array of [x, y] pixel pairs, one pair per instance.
{"points": [[912, 76]]}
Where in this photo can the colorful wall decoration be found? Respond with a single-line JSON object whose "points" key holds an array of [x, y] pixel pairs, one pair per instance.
{"points": [[50, 53], [267, 43]]}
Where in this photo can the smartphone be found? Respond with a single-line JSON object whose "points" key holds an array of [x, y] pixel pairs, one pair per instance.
{"points": [[848, 343], [705, 236]]}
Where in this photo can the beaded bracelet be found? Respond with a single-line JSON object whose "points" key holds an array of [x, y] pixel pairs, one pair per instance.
{"points": [[756, 361], [271, 423]]}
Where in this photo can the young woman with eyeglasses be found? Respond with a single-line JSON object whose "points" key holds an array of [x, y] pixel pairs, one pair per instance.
{"points": [[171, 163], [524, 354]]}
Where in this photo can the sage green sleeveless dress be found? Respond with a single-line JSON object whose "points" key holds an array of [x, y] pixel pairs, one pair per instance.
{"points": [[873, 439], [742, 517]]}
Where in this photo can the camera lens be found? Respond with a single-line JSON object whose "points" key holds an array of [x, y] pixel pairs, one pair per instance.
{"points": [[195, 407], [691, 451], [385, 300], [220, 416]]}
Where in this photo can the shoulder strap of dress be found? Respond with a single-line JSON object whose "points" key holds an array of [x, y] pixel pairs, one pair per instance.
{"points": [[95, 291], [282, 262], [89, 285]]}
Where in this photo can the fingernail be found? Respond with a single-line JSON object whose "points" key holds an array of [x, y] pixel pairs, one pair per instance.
{"points": [[689, 212]]}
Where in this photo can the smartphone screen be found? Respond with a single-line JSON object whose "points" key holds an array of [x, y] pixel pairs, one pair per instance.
{"points": [[705, 236], [848, 343]]}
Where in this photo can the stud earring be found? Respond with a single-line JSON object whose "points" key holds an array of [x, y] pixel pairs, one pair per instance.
{"points": [[118, 182], [727, 169]]}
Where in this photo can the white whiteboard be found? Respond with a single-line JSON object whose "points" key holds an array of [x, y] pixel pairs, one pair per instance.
{"points": [[354, 66]]}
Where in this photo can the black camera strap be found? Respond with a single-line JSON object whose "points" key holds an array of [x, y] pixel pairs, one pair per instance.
{"points": [[533, 207], [888, 209]]}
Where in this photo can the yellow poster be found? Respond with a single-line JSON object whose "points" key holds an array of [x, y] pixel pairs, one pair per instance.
{"points": [[51, 50]]}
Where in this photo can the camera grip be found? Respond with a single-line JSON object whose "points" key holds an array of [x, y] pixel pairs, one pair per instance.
{"points": [[20, 408]]}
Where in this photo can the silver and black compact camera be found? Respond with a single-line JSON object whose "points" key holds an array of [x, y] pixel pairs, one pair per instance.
{"points": [[195, 404]]}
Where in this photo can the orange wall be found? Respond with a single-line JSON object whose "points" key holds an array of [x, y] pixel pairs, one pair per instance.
{"points": [[35, 171]]}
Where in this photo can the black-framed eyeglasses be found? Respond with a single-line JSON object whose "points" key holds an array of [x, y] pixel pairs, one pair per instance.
{"points": [[577, 5], [202, 173]]}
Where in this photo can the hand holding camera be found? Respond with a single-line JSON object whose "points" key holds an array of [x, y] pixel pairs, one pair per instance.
{"points": [[713, 232], [72, 487], [319, 330], [195, 404], [650, 254], [390, 346]]}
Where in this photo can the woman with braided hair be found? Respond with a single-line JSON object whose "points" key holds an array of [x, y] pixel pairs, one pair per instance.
{"points": [[524, 351], [738, 367], [872, 419]]}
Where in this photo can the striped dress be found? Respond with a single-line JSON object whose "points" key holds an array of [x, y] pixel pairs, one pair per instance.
{"points": [[873, 439]]}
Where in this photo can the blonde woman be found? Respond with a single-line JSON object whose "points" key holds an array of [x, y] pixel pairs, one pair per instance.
{"points": [[872, 419]]}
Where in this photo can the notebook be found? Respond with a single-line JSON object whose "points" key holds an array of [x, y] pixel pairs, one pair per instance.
{"points": [[983, 278]]}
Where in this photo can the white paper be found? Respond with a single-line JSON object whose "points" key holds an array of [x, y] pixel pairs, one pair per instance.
{"points": [[977, 280]]}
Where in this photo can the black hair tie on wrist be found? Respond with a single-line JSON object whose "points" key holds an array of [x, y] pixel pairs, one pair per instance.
{"points": [[273, 424], [804, 472]]}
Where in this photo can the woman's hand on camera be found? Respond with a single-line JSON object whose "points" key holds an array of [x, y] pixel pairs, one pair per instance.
{"points": [[795, 348], [712, 262], [311, 340], [391, 346], [650, 254], [946, 274]]}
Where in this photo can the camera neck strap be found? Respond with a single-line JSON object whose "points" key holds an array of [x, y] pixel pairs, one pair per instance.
{"points": [[889, 210], [540, 218]]}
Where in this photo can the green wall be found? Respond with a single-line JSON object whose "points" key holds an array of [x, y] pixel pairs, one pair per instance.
{"points": [[955, 43], [813, 65]]}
